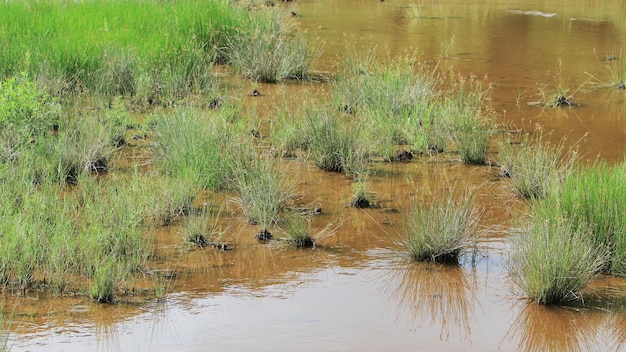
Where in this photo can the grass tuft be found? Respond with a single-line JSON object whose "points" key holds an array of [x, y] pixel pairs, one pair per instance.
{"points": [[441, 230]]}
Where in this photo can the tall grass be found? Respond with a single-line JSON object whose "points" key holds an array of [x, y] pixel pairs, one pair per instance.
{"points": [[553, 259], [440, 230], [471, 124], [121, 47], [536, 168], [263, 190], [393, 100], [268, 52], [195, 145], [596, 198], [338, 142]]}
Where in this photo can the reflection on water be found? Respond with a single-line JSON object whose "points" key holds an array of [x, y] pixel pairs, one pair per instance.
{"points": [[440, 294], [593, 328]]}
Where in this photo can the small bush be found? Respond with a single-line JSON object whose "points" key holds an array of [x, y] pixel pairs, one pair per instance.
{"points": [[26, 113]]}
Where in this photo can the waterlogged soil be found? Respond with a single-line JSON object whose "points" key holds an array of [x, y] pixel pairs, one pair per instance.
{"points": [[356, 291]]}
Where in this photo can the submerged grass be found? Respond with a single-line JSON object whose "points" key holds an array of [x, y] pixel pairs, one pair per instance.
{"points": [[441, 230]]}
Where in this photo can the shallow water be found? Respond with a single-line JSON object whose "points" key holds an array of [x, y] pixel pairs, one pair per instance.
{"points": [[355, 291]]}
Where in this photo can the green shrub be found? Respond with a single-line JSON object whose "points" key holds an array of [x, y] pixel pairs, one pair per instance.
{"points": [[26, 113]]}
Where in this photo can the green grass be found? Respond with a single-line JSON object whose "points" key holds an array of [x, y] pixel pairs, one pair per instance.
{"points": [[553, 259], [195, 145], [536, 168], [440, 230], [263, 190], [595, 197], [268, 52], [470, 123], [338, 142], [123, 47], [393, 100]]}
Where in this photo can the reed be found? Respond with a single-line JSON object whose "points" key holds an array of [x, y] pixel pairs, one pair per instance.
{"points": [[536, 168], [440, 230], [553, 259]]}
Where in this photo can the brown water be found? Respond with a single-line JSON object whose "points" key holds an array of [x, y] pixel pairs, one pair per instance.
{"points": [[356, 292]]}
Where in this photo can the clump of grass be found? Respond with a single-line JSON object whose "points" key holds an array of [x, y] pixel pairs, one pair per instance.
{"points": [[553, 259], [268, 52], [596, 198], [392, 100], [104, 283], [297, 231], [471, 125], [263, 190], [536, 168], [173, 198], [441, 230], [205, 229], [288, 133], [338, 144], [195, 146]]}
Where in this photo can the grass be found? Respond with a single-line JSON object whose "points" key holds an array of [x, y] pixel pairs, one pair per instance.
{"points": [[360, 193], [553, 259], [269, 52], [393, 100], [338, 144], [192, 144], [440, 230], [596, 198], [536, 168], [263, 190], [147, 49], [471, 125]]}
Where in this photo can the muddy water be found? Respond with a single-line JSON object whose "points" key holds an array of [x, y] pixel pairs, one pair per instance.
{"points": [[356, 291]]}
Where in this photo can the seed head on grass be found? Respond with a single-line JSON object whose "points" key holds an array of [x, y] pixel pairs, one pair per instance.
{"points": [[441, 230]]}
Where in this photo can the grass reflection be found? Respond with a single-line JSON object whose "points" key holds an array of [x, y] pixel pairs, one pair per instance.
{"points": [[542, 328], [440, 294]]}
